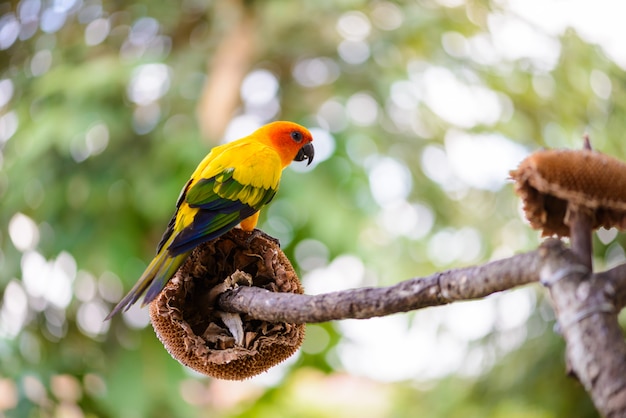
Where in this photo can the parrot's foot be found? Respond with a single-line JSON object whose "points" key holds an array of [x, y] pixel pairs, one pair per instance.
{"points": [[258, 233]]}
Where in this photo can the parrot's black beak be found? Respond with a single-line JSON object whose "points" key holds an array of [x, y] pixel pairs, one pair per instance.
{"points": [[306, 152]]}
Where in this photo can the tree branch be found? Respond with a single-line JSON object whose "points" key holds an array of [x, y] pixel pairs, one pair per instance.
{"points": [[586, 307], [437, 289], [587, 316]]}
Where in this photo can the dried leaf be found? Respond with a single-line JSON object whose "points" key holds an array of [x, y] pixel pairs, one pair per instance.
{"points": [[549, 181]]}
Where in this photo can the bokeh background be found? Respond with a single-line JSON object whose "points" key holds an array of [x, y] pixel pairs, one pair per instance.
{"points": [[418, 108]]}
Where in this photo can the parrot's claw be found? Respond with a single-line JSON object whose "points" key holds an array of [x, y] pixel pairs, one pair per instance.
{"points": [[256, 233]]}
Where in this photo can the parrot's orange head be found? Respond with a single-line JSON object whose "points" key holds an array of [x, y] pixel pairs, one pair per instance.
{"points": [[290, 140]]}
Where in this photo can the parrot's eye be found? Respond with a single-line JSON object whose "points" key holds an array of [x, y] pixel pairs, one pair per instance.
{"points": [[296, 136]]}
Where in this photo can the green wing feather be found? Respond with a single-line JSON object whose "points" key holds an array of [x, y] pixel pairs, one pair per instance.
{"points": [[234, 183]]}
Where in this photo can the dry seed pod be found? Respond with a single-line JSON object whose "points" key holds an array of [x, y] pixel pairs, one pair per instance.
{"points": [[551, 181], [195, 333]]}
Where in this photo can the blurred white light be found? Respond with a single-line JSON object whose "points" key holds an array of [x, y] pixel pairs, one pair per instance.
{"points": [[64, 5], [311, 254], [361, 148], [143, 31], [24, 232], [451, 3], [455, 44], [606, 236], [449, 245], [344, 272], [600, 84], [265, 112], [362, 108], [90, 318], [59, 282], [437, 167], [89, 12], [28, 10], [149, 83], [387, 16], [443, 249], [482, 161], [52, 19], [456, 102], [471, 320], [97, 31], [97, 138], [137, 317], [332, 116], [40, 62], [6, 91], [354, 26], [482, 49], [50, 281], [366, 348], [9, 30], [314, 72], [436, 340], [146, 118], [390, 181], [280, 228], [85, 286], [599, 22], [8, 126], [35, 271], [405, 219], [514, 308], [34, 389], [404, 94], [110, 287], [14, 310], [241, 126], [544, 85], [259, 87], [354, 52], [515, 39]]}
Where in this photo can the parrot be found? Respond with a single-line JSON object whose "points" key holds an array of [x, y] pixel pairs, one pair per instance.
{"points": [[228, 188]]}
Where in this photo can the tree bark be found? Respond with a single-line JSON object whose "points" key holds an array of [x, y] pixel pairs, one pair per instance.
{"points": [[437, 289], [586, 307]]}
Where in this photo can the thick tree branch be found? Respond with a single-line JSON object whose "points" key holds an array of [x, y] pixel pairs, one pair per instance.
{"points": [[586, 306], [587, 316], [580, 221], [437, 289]]}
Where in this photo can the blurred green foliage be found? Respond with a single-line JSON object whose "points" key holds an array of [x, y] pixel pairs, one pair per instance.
{"points": [[99, 130]]}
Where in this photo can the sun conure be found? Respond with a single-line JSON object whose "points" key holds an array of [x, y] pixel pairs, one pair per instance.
{"points": [[229, 187]]}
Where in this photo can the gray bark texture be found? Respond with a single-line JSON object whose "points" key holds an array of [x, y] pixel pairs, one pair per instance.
{"points": [[586, 307]]}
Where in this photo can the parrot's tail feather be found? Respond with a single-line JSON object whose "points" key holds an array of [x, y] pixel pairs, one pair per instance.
{"points": [[157, 274], [166, 271]]}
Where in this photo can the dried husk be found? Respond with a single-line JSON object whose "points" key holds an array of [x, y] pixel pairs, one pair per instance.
{"points": [[550, 181], [185, 318]]}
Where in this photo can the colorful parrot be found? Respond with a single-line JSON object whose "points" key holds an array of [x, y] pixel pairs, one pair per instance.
{"points": [[229, 187]]}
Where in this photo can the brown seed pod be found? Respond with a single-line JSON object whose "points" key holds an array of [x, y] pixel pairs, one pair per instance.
{"points": [[221, 345], [549, 182]]}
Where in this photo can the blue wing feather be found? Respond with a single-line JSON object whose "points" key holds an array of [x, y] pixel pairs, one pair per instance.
{"points": [[207, 225]]}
